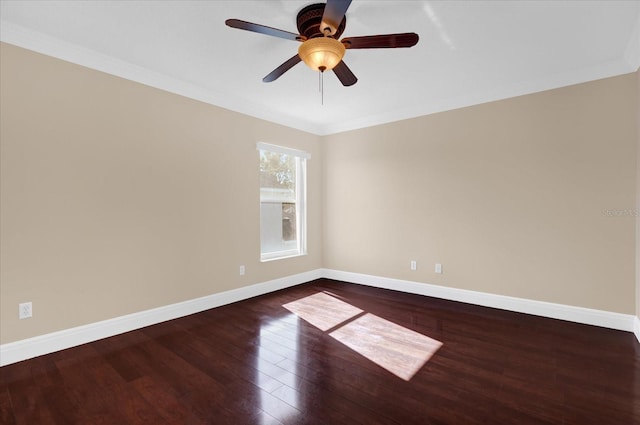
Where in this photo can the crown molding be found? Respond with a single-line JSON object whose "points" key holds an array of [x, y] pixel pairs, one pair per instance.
{"points": [[489, 94], [41, 43], [50, 46]]}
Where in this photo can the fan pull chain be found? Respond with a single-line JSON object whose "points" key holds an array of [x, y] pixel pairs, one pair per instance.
{"points": [[322, 88]]}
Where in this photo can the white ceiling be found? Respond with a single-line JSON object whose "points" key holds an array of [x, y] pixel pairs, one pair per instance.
{"points": [[469, 52]]}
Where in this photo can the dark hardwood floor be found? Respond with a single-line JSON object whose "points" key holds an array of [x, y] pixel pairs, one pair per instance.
{"points": [[255, 362]]}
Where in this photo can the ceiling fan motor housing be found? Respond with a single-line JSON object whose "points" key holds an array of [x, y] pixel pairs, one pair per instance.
{"points": [[310, 18]]}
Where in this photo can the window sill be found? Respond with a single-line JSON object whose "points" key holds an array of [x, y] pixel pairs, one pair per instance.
{"points": [[280, 256]]}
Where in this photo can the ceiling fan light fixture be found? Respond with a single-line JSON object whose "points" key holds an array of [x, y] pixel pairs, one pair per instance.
{"points": [[321, 53]]}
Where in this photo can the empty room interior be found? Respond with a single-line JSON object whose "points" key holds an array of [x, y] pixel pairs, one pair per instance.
{"points": [[439, 224]]}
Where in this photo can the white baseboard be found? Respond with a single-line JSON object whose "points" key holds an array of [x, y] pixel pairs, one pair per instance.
{"points": [[32, 347], [606, 319]]}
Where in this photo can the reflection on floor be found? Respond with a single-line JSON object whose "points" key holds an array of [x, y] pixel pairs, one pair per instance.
{"points": [[270, 378], [395, 348]]}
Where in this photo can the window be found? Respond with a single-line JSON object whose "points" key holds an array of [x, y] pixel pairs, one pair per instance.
{"points": [[282, 202]]}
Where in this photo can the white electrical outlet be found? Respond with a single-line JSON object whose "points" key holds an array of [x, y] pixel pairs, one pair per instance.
{"points": [[414, 265], [242, 270], [438, 268], [25, 310]]}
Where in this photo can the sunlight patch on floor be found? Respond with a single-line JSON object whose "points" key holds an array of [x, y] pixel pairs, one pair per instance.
{"points": [[395, 348], [322, 310]]}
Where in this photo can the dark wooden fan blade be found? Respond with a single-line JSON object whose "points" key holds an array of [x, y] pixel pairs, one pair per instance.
{"points": [[344, 74], [250, 26], [276, 73], [407, 39], [334, 11]]}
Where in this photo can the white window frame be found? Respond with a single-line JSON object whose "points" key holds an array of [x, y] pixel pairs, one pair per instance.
{"points": [[301, 202]]}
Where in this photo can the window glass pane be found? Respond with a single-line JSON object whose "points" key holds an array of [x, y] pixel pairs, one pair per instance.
{"points": [[278, 172], [289, 221], [281, 186]]}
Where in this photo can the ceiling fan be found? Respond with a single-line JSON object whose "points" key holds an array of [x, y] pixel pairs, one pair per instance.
{"points": [[319, 26]]}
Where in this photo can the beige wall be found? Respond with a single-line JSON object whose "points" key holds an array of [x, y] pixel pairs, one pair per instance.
{"points": [[509, 196], [638, 194], [117, 197]]}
